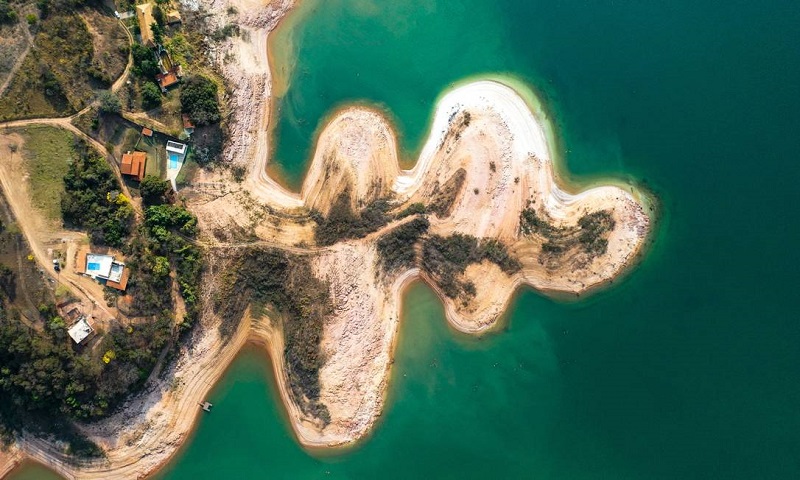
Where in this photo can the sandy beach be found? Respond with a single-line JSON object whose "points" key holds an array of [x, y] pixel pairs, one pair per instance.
{"points": [[483, 129]]}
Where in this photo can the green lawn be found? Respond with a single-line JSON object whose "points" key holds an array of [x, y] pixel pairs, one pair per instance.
{"points": [[48, 153], [156, 156]]}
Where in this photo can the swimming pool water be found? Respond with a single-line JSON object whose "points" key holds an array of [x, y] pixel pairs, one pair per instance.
{"points": [[174, 160]]}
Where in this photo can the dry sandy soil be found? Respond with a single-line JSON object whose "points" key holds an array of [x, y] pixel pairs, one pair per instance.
{"points": [[46, 238], [504, 152]]}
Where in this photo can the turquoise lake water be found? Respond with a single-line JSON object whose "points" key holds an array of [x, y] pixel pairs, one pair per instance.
{"points": [[689, 367]]}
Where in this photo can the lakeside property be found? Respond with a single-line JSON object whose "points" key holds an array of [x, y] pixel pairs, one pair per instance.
{"points": [[646, 379]]}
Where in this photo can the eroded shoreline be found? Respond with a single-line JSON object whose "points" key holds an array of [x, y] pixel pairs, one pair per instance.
{"points": [[483, 128]]}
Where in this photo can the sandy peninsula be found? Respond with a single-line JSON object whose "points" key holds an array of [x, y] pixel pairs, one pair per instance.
{"points": [[487, 152]]}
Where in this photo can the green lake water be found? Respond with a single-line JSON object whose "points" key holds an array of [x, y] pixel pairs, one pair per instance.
{"points": [[689, 367]]}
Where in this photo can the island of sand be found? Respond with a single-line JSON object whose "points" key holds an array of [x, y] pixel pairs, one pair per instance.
{"points": [[481, 213]]}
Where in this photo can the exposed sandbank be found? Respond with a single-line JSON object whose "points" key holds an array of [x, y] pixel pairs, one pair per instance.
{"points": [[483, 128]]}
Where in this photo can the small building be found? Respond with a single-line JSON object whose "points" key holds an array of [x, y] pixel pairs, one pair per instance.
{"points": [[188, 126], [173, 17], [144, 14], [104, 269], [147, 132], [176, 148], [118, 279], [166, 80], [80, 330], [133, 164]]}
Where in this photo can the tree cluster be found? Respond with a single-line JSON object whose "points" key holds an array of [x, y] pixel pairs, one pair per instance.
{"points": [[199, 100], [45, 379], [145, 64], [265, 276], [397, 249], [589, 235], [170, 231], [446, 258], [342, 223], [92, 201], [7, 14]]}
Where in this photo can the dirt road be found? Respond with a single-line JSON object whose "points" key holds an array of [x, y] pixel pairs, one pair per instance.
{"points": [[37, 233]]}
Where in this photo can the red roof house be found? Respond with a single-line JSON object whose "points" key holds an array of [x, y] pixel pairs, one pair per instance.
{"points": [[133, 164]]}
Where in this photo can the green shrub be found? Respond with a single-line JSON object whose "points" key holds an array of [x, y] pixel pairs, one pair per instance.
{"points": [[397, 249], [155, 191], [91, 199], [151, 96], [109, 102], [199, 100], [413, 209], [144, 61], [8, 283], [7, 14], [343, 223]]}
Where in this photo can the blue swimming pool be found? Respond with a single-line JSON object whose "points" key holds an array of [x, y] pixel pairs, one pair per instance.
{"points": [[93, 266], [174, 160]]}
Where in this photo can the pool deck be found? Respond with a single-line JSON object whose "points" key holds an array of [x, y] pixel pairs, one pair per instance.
{"points": [[173, 171]]}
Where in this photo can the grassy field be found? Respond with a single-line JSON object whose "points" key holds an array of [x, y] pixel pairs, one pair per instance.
{"points": [[48, 153], [187, 173], [156, 156], [169, 114]]}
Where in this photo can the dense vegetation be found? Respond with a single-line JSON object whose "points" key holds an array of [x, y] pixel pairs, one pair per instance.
{"points": [[446, 258], [444, 196], [199, 100], [413, 209], [397, 249], [164, 243], [589, 235], [170, 229], [8, 286], [151, 96], [155, 191], [144, 62], [45, 379], [270, 278], [7, 14], [343, 223], [92, 200], [109, 102]]}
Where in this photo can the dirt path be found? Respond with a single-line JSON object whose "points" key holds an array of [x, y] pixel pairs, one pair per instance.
{"points": [[126, 73], [36, 232], [20, 60], [66, 124], [42, 236]]}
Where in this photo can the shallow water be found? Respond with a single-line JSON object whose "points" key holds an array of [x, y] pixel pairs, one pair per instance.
{"points": [[33, 471], [686, 368]]}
